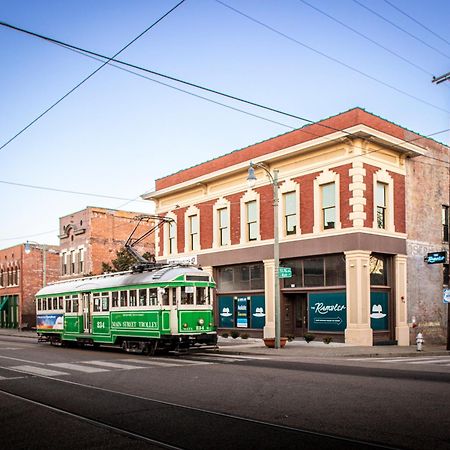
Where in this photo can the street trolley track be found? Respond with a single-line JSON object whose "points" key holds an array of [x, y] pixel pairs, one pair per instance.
{"points": [[166, 424]]}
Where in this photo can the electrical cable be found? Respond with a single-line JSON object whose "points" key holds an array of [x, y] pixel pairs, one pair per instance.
{"points": [[89, 76], [417, 22], [332, 58], [411, 63], [401, 29], [63, 44], [66, 191]]}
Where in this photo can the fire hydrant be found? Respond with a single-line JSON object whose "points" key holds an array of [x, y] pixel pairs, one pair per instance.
{"points": [[419, 341]]}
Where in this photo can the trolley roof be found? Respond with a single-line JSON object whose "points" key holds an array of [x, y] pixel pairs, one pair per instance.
{"points": [[121, 279]]}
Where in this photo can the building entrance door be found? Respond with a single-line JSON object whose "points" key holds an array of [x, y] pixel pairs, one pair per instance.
{"points": [[296, 314]]}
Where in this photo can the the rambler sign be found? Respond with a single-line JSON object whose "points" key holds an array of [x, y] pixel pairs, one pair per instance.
{"points": [[327, 311]]}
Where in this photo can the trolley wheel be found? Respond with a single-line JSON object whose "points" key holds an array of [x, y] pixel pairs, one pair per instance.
{"points": [[150, 348]]}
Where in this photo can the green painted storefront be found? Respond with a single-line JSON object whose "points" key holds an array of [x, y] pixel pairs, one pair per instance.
{"points": [[9, 311]]}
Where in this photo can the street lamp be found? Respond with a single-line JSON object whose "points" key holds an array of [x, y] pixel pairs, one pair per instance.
{"points": [[44, 248], [251, 178]]}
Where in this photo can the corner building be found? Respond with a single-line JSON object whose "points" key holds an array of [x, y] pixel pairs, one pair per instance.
{"points": [[342, 229]]}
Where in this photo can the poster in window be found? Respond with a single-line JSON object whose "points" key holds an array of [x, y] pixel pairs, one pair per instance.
{"points": [[379, 311], [242, 312], [226, 311], [327, 311], [258, 311]]}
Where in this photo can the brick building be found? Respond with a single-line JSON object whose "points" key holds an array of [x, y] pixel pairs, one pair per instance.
{"points": [[92, 236], [22, 274], [361, 202]]}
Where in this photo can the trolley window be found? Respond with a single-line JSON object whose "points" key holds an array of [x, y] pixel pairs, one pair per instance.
{"points": [[187, 295], [68, 304], [164, 296], [55, 303], [123, 298], [142, 297], [39, 304], [202, 296], [133, 298], [115, 299], [105, 301], [96, 302], [74, 303], [60, 303], [44, 304], [152, 297]]}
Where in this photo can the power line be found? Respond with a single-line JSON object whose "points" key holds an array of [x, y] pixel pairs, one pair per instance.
{"points": [[411, 63], [178, 80], [89, 76], [417, 22], [401, 29], [332, 58], [66, 191]]}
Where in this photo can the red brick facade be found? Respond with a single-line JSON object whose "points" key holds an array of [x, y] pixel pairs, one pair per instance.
{"points": [[26, 281], [92, 236]]}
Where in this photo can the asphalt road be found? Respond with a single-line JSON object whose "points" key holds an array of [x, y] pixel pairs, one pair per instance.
{"points": [[73, 398]]}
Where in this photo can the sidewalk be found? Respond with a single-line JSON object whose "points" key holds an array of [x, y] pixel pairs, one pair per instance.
{"points": [[297, 348], [318, 349]]}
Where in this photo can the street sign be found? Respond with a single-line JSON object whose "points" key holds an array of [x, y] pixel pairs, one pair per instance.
{"points": [[284, 272], [446, 295], [436, 257]]}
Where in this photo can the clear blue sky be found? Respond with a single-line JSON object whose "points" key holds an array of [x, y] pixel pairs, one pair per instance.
{"points": [[118, 133]]}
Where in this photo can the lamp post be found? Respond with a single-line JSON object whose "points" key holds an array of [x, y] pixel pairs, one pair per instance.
{"points": [[273, 177], [44, 248]]}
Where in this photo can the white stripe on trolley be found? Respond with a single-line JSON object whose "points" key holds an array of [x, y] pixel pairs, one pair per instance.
{"points": [[39, 371]]}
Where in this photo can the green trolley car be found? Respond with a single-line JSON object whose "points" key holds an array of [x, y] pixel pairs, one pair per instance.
{"points": [[167, 307]]}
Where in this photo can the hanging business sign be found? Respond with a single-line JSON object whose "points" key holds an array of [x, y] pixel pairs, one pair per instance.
{"points": [[446, 295], [327, 311], [436, 258]]}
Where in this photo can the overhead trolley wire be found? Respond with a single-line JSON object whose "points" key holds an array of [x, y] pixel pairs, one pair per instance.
{"points": [[417, 22], [90, 75], [178, 80], [373, 41], [332, 58], [401, 29]]}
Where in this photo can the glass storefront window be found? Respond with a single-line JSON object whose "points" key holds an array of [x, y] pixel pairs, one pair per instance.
{"points": [[243, 277], [335, 270], [316, 272], [379, 270], [313, 272]]}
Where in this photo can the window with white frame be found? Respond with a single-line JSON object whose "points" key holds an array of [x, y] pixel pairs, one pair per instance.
{"points": [[381, 204], [64, 263], [328, 196], [290, 213], [383, 201], [223, 221], [252, 220], [193, 232], [172, 238]]}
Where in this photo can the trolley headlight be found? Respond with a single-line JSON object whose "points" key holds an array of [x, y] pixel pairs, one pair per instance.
{"points": [[201, 322], [185, 325]]}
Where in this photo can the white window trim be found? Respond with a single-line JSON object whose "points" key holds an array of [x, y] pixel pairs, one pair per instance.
{"points": [[285, 188], [249, 196], [382, 176], [221, 203], [191, 211], [326, 177], [166, 236]]}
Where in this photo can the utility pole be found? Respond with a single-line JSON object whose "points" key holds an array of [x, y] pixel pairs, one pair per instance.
{"points": [[438, 80]]}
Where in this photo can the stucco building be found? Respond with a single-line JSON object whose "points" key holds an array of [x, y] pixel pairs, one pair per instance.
{"points": [[93, 236], [22, 274], [358, 212]]}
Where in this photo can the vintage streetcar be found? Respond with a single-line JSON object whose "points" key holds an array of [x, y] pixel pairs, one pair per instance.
{"points": [[165, 307]]}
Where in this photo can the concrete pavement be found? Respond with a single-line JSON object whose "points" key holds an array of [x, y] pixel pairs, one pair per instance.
{"points": [[296, 348]]}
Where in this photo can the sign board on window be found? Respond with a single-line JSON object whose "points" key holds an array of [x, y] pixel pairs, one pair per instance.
{"points": [[242, 312], [327, 311]]}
